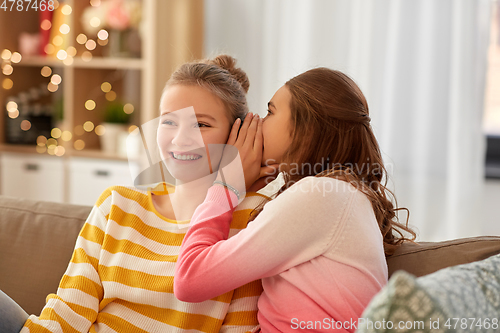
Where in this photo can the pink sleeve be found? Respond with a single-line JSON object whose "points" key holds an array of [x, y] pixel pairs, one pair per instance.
{"points": [[292, 229]]}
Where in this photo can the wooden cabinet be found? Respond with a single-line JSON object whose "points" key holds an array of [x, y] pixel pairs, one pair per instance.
{"points": [[171, 34], [32, 177]]}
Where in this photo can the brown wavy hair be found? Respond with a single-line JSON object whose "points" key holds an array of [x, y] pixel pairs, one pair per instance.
{"points": [[331, 129]]}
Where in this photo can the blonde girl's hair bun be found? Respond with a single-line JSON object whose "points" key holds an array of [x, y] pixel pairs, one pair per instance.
{"points": [[228, 63]]}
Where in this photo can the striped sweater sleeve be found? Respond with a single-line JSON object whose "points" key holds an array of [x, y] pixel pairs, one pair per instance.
{"points": [[75, 306]]}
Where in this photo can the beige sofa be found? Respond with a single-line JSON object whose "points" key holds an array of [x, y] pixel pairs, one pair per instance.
{"points": [[37, 239]]}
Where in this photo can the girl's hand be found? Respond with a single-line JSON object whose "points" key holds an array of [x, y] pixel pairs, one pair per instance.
{"points": [[249, 144]]}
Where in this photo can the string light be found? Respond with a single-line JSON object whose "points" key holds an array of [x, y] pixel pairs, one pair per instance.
{"points": [[25, 125], [100, 130], [16, 57], [86, 56], [66, 136], [106, 87], [59, 151], [41, 149], [52, 87], [14, 114], [7, 69], [79, 144], [132, 128], [128, 108], [11, 106], [71, 51], [49, 49], [66, 9], [57, 40], [51, 143], [102, 34], [90, 105], [81, 39], [64, 29], [61, 54], [7, 84], [68, 61], [56, 79], [46, 71], [95, 3], [46, 25], [88, 126], [95, 22], [111, 96], [6, 54], [41, 140], [90, 44], [56, 133]]}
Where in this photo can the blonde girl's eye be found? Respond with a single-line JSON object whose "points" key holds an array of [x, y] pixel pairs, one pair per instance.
{"points": [[168, 122]]}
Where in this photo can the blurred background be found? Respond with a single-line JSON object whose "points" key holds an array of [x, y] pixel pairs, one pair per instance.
{"points": [[79, 76]]}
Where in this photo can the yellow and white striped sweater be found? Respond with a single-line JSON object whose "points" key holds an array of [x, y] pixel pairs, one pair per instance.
{"points": [[120, 278]]}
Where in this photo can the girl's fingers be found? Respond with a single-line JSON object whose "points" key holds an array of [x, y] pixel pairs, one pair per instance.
{"points": [[244, 128], [258, 136], [234, 132]]}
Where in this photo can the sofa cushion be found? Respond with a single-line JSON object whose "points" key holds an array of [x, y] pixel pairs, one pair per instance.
{"points": [[464, 298], [36, 243], [427, 257]]}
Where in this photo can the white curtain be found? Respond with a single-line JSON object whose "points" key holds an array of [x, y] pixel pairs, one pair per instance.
{"points": [[421, 65]]}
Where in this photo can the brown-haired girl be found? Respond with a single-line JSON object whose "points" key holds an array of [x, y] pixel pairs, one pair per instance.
{"points": [[320, 246]]}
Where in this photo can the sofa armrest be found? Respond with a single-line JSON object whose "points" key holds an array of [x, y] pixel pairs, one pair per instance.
{"points": [[427, 257]]}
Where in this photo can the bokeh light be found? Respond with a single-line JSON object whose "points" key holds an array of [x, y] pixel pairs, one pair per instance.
{"points": [[25, 125], [128, 108], [81, 39], [56, 79], [88, 126], [7, 84], [111, 96], [79, 144], [16, 57], [46, 71], [56, 133], [90, 105]]}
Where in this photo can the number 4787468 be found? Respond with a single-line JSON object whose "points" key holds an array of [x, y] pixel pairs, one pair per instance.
{"points": [[27, 5]]}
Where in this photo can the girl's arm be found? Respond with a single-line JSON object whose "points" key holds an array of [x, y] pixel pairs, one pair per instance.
{"points": [[76, 304], [295, 227]]}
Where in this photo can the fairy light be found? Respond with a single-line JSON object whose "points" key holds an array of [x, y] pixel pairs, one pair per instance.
{"points": [[49, 49], [111, 96], [7, 69], [102, 34], [57, 40], [61, 54], [86, 56], [102, 42], [100, 130], [95, 22], [51, 143], [16, 57], [46, 25], [66, 136], [41, 140], [56, 79], [66, 9], [106, 87], [81, 39], [46, 71], [128, 108], [11, 106], [51, 150], [71, 51], [52, 87], [88, 126], [6, 54], [90, 44], [90, 105], [64, 29], [7, 84], [14, 114], [56, 133], [95, 3], [68, 61], [59, 151], [132, 128], [79, 144], [25, 125]]}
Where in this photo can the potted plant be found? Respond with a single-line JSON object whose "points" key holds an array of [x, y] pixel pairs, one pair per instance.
{"points": [[115, 128]]}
